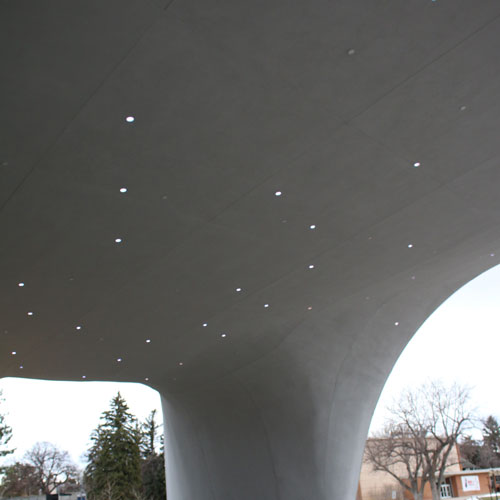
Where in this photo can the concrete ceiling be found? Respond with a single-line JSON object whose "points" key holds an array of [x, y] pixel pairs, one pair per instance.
{"points": [[330, 103]]}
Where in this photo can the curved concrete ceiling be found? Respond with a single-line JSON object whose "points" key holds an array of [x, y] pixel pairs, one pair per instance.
{"points": [[378, 124]]}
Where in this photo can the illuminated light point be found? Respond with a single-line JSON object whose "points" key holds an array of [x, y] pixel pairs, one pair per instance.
{"points": [[223, 335], [396, 323], [21, 367], [130, 119], [148, 341], [309, 308], [410, 245], [79, 327], [266, 305], [84, 376], [311, 266], [492, 255], [118, 240], [417, 164], [181, 363], [204, 325], [146, 379], [123, 190], [351, 52], [13, 353], [30, 313], [312, 226], [238, 289], [119, 360], [278, 193], [21, 284]]}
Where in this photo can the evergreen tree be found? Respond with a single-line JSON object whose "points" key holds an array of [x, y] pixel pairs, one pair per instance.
{"points": [[5, 434], [114, 469], [491, 435], [153, 466]]}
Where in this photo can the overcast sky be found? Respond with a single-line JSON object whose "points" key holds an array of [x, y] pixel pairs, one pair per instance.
{"points": [[464, 336]]}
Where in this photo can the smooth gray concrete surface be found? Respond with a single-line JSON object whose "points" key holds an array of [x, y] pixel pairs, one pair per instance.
{"points": [[329, 102]]}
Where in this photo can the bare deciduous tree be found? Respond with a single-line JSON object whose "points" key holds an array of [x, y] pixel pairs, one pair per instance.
{"points": [[421, 432], [52, 467]]}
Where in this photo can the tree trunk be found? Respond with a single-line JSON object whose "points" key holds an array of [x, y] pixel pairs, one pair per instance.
{"points": [[435, 491]]}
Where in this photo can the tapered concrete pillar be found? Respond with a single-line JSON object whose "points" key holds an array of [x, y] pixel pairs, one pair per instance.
{"points": [[290, 425]]}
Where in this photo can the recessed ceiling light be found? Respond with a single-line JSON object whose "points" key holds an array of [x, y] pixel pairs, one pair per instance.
{"points": [[266, 305], [123, 190], [492, 255], [119, 360], [148, 341], [238, 289], [204, 324], [146, 379], [84, 376], [118, 240], [181, 363], [396, 323], [417, 164], [20, 284], [311, 266], [21, 367], [79, 327], [130, 119], [312, 226], [278, 193], [13, 353], [309, 308], [410, 245], [30, 313], [223, 335]]}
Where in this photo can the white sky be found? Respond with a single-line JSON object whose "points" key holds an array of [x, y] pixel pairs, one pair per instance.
{"points": [[460, 341]]}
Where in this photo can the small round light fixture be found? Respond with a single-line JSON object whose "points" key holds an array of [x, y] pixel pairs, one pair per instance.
{"points": [[416, 164], [146, 379], [148, 341], [312, 226], [223, 335], [351, 52], [21, 367], [311, 266], [181, 364], [463, 108], [20, 284], [118, 240], [30, 313], [204, 325], [266, 306], [309, 308], [119, 360], [78, 327], [13, 353], [396, 323], [130, 119], [238, 289], [410, 245], [123, 190], [84, 376], [278, 193]]}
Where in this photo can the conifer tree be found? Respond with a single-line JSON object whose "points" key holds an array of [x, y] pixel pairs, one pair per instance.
{"points": [[114, 469], [5, 434], [153, 466], [491, 435]]}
